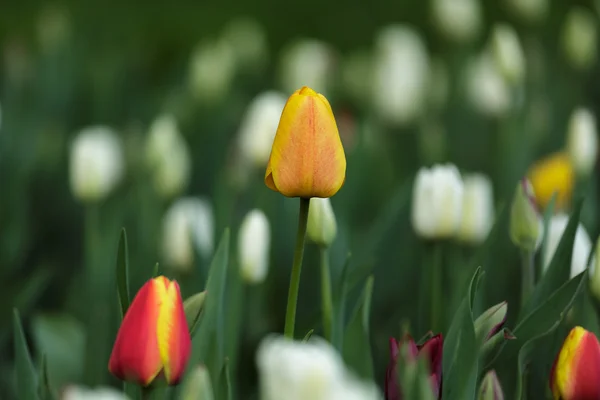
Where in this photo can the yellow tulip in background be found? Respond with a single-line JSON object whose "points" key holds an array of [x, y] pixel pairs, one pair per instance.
{"points": [[553, 174]]}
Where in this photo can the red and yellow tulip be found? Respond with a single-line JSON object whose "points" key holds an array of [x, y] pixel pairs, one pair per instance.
{"points": [[153, 338], [307, 158], [576, 371]]}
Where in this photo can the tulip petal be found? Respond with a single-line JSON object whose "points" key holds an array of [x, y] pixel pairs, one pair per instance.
{"points": [[135, 356], [172, 331], [307, 158]]}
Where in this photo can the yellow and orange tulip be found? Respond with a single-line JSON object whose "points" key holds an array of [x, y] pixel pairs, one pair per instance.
{"points": [[307, 158], [576, 371], [554, 173], [154, 336]]}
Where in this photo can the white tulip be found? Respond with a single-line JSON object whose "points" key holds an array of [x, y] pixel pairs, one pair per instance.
{"points": [[529, 10], [581, 247], [322, 226], [458, 20], [258, 127], [508, 53], [400, 75], [293, 370], [188, 226], [487, 89], [437, 202], [74, 392], [168, 156], [254, 244], [307, 62], [478, 209], [582, 141], [249, 42], [96, 163], [212, 70], [579, 37]]}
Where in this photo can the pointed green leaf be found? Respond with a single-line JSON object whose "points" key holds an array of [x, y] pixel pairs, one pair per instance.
{"points": [[357, 346], [193, 306], [339, 307], [308, 335], [123, 273], [45, 391], [27, 379], [225, 380]]}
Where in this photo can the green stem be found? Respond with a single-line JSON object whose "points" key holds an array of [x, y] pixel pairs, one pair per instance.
{"points": [[436, 287], [290, 315], [527, 281], [326, 298]]}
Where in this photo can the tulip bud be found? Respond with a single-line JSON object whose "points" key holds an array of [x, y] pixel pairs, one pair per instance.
{"points": [[458, 20], [595, 273], [508, 53], [437, 202], [582, 245], [553, 174], [487, 90], [575, 372], [478, 209], [525, 223], [96, 164], [153, 337], [188, 226], [490, 387], [531, 11], [254, 243], [212, 70], [579, 41], [491, 321], [307, 158], [198, 386], [307, 62], [322, 227], [75, 392], [582, 141]]}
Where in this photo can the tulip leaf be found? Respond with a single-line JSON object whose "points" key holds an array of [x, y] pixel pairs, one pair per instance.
{"points": [[123, 273], [547, 217], [459, 361], [45, 391], [225, 392], [357, 346], [339, 307], [308, 335], [26, 375], [559, 269], [193, 306]]}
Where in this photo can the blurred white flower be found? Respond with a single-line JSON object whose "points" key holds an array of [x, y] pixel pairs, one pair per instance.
{"points": [[400, 73], [188, 227], [293, 370], [258, 127], [508, 53], [486, 88], [478, 209], [437, 202], [254, 244], [168, 156], [307, 62], [581, 247], [582, 141], [322, 226], [457, 20], [438, 84], [579, 37], [529, 10], [356, 75], [74, 392], [212, 70], [249, 42], [96, 163]]}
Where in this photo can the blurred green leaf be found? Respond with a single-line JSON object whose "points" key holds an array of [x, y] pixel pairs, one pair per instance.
{"points": [[308, 335], [548, 213], [27, 379], [45, 391], [123, 273], [413, 376], [193, 307], [225, 392], [155, 271], [339, 307], [357, 346]]}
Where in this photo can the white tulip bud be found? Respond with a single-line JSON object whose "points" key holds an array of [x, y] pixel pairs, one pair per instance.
{"points": [[581, 247], [212, 70], [188, 226], [75, 392], [258, 127], [579, 38], [400, 75], [322, 227], [457, 20], [526, 226], [530, 11], [198, 385], [478, 209], [437, 202], [293, 370], [487, 89], [582, 141], [307, 62], [249, 42], [168, 157], [96, 163], [508, 53], [254, 245]]}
